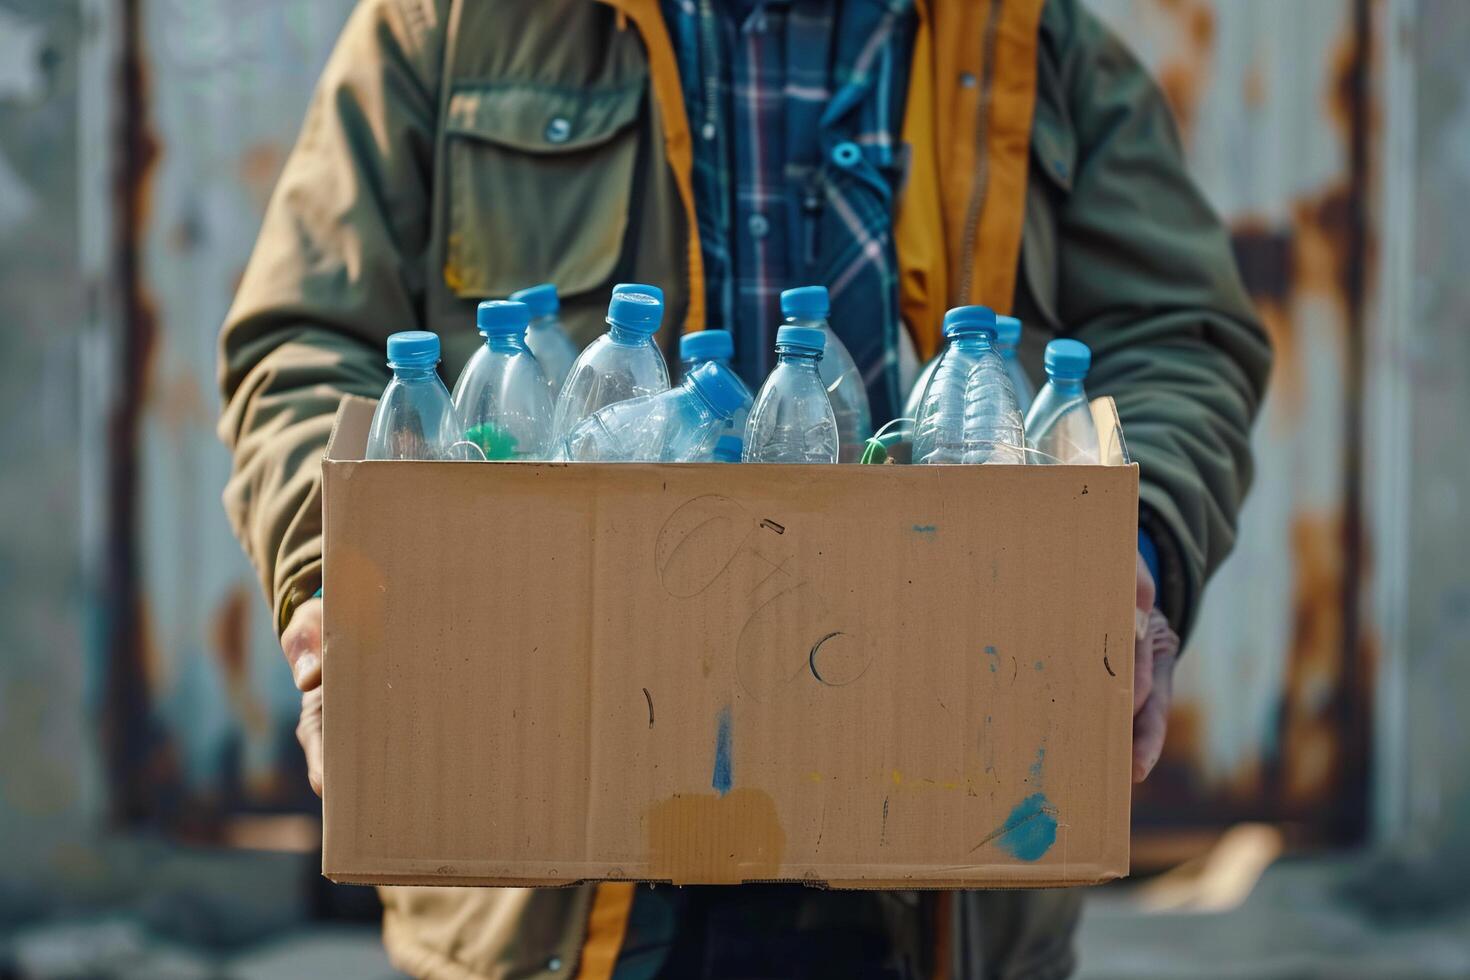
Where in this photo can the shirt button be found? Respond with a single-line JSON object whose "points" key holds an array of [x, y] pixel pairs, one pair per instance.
{"points": [[967, 79], [554, 964], [758, 225], [708, 132], [846, 154], [559, 130]]}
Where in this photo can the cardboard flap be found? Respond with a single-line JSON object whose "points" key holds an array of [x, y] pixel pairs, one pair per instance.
{"points": [[1112, 449], [350, 431]]}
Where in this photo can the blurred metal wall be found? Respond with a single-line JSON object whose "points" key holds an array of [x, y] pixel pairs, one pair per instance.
{"points": [[146, 184], [1275, 104]]}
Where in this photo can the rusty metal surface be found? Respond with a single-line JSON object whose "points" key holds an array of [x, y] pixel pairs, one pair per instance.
{"points": [[214, 94], [1275, 106]]}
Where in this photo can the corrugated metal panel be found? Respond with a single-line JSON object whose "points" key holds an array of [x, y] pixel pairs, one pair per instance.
{"points": [[1265, 95], [223, 90]]}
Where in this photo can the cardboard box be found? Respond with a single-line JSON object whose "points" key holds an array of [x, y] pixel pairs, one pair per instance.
{"points": [[881, 676]]}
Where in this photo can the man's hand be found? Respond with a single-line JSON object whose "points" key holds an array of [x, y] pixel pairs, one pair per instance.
{"points": [[1155, 648], [302, 645]]}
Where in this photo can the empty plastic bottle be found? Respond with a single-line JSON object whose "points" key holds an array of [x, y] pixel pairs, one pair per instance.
{"points": [[729, 448], [968, 413], [554, 350], [415, 418], [792, 420], [1007, 339], [501, 396], [623, 363], [717, 346], [809, 306], [1060, 421], [679, 425]]}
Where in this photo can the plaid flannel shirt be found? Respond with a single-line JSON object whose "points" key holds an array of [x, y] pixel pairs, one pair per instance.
{"points": [[795, 107]]}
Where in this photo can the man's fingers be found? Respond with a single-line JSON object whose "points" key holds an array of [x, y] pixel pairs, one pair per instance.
{"points": [[1143, 672], [302, 645], [1145, 592], [309, 734], [1151, 724]]}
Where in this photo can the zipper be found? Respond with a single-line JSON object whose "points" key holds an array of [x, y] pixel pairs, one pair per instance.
{"points": [[982, 160]]}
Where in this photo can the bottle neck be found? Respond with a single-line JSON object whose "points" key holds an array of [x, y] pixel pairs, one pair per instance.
{"points": [[544, 321], [820, 322], [977, 343], [1066, 386], [506, 343], [624, 337], [801, 356], [413, 372]]}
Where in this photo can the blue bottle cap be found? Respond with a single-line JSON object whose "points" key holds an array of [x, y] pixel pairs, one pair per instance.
{"points": [[413, 348], [969, 320], [1007, 331], [542, 299], [634, 308], [1067, 359], [806, 303], [729, 449], [502, 317], [706, 345], [810, 339], [720, 388], [640, 287]]}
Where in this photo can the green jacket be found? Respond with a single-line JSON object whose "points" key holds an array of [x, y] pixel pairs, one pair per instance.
{"points": [[423, 182]]}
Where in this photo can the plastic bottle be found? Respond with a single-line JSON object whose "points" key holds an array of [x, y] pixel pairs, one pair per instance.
{"points": [[415, 418], [1060, 421], [968, 413], [1007, 339], [623, 363], [718, 346], [809, 306], [793, 421], [679, 425], [729, 448], [554, 350], [501, 396]]}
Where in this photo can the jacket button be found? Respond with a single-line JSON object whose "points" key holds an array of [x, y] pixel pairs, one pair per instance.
{"points": [[554, 964], [758, 225], [846, 154], [559, 130]]}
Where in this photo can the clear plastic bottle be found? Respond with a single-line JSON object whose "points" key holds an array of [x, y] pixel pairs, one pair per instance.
{"points": [[501, 396], [792, 421], [554, 350], [916, 393], [809, 306], [623, 363], [415, 418], [1060, 421], [968, 412], [1007, 339], [679, 425], [729, 448], [704, 346]]}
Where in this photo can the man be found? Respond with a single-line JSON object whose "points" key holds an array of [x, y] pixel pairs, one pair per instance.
{"points": [[911, 155]]}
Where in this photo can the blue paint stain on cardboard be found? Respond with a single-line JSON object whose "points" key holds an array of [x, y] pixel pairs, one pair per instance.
{"points": [[1039, 766], [926, 528], [1040, 665], [1030, 830], [994, 656], [721, 778]]}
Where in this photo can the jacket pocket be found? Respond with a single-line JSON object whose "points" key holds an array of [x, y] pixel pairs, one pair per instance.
{"points": [[540, 182]]}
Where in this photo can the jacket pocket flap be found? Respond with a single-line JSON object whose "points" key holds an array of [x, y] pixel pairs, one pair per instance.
{"points": [[538, 119]]}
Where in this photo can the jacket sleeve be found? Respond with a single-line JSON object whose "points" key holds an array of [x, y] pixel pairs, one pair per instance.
{"points": [[338, 266], [1148, 280]]}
